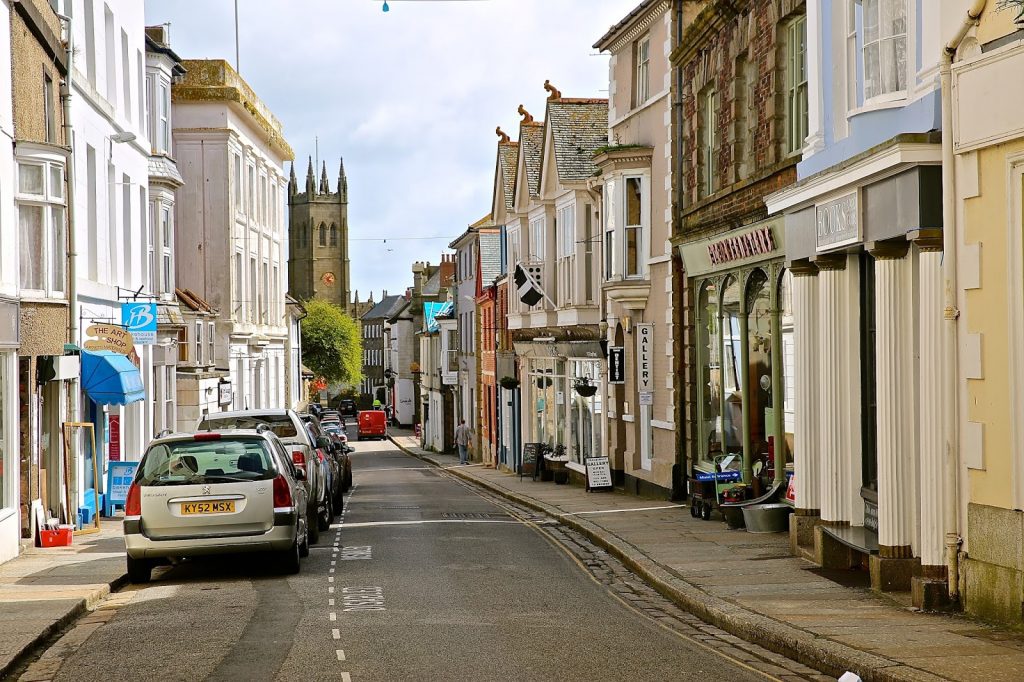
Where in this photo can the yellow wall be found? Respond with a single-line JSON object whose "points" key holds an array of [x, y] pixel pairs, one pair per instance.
{"points": [[988, 399], [995, 23]]}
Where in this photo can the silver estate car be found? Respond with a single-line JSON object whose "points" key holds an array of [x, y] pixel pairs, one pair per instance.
{"points": [[215, 492]]}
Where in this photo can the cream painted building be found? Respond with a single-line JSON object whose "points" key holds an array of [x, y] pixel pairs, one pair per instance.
{"points": [[636, 266], [988, 176], [230, 226]]}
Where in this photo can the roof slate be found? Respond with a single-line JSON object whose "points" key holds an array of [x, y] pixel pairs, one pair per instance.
{"points": [[387, 307], [579, 127], [490, 256], [507, 154], [432, 287], [531, 146]]}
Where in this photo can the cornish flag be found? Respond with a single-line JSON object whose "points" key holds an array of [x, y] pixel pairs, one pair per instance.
{"points": [[529, 291]]}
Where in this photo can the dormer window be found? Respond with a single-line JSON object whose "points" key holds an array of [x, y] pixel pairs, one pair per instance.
{"points": [[642, 75], [884, 47]]}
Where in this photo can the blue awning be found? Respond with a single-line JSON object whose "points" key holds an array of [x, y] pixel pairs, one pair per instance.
{"points": [[432, 311], [110, 378]]}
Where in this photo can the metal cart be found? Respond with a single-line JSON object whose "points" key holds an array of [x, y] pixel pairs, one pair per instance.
{"points": [[706, 488]]}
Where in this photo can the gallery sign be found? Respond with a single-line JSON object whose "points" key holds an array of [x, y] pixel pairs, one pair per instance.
{"points": [[837, 222], [644, 357]]}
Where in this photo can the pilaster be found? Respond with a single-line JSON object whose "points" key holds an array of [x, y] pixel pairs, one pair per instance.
{"points": [[806, 454], [832, 422], [893, 567]]}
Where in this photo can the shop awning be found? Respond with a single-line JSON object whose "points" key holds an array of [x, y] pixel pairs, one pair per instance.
{"points": [[432, 311], [109, 378]]}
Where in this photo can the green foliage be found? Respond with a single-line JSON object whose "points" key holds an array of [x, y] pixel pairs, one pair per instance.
{"points": [[331, 344]]}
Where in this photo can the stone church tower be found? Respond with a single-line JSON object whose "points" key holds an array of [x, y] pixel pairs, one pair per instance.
{"points": [[318, 232]]}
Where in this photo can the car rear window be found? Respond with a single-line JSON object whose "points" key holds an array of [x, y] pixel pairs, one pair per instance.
{"points": [[208, 461], [280, 424]]}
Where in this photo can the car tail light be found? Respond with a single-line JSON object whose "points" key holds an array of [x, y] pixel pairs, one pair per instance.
{"points": [[133, 502], [282, 492], [206, 436], [320, 455], [299, 458]]}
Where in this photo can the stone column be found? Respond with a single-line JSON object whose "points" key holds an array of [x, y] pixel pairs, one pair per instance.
{"points": [[806, 439], [833, 420], [745, 388], [893, 566], [929, 589]]}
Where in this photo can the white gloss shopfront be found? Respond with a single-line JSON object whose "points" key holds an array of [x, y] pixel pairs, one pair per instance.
{"points": [[10, 522]]}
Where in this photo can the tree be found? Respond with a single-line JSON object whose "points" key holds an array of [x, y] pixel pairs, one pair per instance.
{"points": [[331, 345]]}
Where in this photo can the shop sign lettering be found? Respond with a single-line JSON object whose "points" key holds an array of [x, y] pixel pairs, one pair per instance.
{"points": [[759, 242], [644, 357], [837, 222], [616, 365]]}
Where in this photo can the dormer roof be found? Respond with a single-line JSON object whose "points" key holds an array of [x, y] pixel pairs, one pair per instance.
{"points": [[577, 128]]}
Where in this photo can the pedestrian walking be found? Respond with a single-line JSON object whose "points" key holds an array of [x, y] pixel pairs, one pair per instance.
{"points": [[462, 437]]}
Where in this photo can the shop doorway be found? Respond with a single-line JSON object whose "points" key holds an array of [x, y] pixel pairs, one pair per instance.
{"points": [[869, 393]]}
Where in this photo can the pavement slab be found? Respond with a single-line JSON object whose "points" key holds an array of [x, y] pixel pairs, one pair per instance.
{"points": [[750, 586]]}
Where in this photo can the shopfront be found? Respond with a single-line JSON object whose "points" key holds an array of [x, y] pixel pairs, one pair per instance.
{"points": [[743, 337]]}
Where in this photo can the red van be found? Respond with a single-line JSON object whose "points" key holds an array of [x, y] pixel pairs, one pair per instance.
{"points": [[372, 424]]}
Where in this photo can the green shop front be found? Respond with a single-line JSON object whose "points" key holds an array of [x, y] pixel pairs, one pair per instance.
{"points": [[740, 448]]}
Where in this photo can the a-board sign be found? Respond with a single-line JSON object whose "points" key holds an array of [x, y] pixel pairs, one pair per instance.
{"points": [[530, 453], [119, 479], [599, 473]]}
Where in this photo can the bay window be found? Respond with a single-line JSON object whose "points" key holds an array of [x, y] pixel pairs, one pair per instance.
{"points": [[41, 223], [633, 224], [565, 228], [167, 251], [884, 47], [608, 214], [537, 238]]}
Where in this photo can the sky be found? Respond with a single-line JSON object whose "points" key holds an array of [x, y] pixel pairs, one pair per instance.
{"points": [[409, 97]]}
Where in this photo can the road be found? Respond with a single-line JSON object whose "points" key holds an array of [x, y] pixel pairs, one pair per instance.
{"points": [[423, 578]]}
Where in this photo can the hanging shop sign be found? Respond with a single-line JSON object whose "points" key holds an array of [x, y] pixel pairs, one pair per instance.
{"points": [[224, 393], [616, 365], [140, 321], [837, 222], [761, 241], [644, 357], [109, 337]]}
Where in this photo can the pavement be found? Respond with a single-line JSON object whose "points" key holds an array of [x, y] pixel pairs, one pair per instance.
{"points": [[752, 587], [44, 590]]}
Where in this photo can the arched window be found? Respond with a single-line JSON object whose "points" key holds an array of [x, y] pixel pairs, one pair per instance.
{"points": [[334, 235], [323, 235]]}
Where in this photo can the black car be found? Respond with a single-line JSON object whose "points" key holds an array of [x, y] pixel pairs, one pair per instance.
{"points": [[341, 463], [347, 407]]}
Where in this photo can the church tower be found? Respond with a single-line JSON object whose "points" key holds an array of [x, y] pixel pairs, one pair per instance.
{"points": [[318, 263]]}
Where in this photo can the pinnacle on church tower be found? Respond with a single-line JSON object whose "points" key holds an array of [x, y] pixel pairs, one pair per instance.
{"points": [[292, 183], [324, 187], [310, 186], [342, 180]]}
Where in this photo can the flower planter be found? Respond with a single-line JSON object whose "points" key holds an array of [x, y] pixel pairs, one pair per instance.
{"points": [[586, 390]]}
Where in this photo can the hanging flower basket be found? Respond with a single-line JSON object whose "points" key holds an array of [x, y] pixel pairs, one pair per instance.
{"points": [[543, 382], [584, 387], [509, 383]]}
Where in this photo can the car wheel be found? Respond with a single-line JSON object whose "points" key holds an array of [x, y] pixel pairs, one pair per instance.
{"points": [[288, 559], [304, 547], [323, 518], [312, 528], [348, 480], [139, 570], [339, 501]]}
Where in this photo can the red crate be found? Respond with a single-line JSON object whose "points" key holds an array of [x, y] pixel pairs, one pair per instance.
{"points": [[56, 538]]}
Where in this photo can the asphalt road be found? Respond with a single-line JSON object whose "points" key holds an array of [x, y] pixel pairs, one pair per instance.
{"points": [[423, 578]]}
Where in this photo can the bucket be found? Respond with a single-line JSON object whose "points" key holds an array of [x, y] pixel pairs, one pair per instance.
{"points": [[767, 518]]}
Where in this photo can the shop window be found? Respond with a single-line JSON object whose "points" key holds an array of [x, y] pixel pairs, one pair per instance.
{"points": [[788, 362], [709, 345], [868, 380], [759, 370], [732, 370]]}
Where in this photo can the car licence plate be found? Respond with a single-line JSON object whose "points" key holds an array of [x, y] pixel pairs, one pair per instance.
{"points": [[219, 507]]}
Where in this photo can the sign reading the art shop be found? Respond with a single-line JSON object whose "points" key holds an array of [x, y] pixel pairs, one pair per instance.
{"points": [[644, 357], [616, 365], [837, 222], [140, 321], [109, 337]]}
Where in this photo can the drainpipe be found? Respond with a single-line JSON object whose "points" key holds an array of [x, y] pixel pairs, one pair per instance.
{"points": [[65, 96], [951, 312]]}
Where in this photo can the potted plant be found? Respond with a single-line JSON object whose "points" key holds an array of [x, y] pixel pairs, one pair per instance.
{"points": [[509, 383], [585, 387]]}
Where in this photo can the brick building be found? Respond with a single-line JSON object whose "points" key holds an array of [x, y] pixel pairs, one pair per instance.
{"points": [[741, 123]]}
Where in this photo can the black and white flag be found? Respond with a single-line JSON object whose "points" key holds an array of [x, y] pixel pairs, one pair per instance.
{"points": [[527, 288]]}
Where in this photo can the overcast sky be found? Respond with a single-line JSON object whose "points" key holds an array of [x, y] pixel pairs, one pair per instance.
{"points": [[409, 97]]}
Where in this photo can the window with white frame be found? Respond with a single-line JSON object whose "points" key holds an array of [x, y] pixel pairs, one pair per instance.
{"points": [[211, 343], [151, 246], [166, 249], [170, 388], [253, 297], [708, 139], [237, 180], [239, 281], [796, 84], [163, 103], [608, 215], [41, 222], [537, 238], [633, 225], [200, 343], [642, 76], [884, 47], [252, 193], [265, 291], [565, 265]]}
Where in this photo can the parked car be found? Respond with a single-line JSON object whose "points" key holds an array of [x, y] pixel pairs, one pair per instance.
{"points": [[215, 492], [347, 407], [372, 424], [336, 458], [287, 426], [337, 433]]}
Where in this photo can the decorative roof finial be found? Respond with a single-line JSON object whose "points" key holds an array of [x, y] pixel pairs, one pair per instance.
{"points": [[310, 183], [527, 118], [324, 187], [502, 134], [553, 92]]}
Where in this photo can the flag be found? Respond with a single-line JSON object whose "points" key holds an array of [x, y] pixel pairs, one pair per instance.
{"points": [[528, 290]]}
